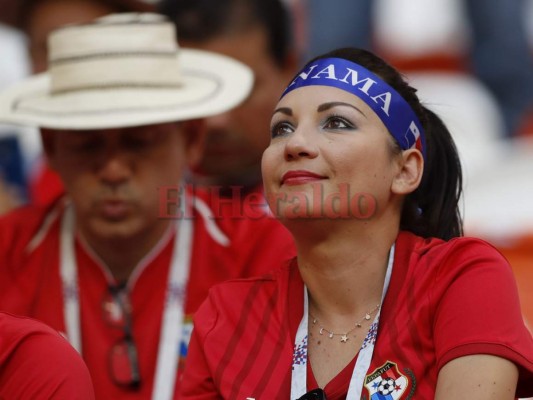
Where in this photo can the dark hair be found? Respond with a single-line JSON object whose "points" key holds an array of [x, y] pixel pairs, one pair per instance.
{"points": [[432, 210], [201, 20]]}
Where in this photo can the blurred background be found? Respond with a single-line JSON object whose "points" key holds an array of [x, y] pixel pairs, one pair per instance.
{"points": [[472, 61]]}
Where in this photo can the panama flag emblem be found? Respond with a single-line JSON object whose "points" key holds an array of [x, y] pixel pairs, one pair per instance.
{"points": [[412, 137], [386, 383]]}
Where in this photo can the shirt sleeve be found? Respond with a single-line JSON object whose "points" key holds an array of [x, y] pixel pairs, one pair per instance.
{"points": [[36, 362], [478, 310], [196, 382]]}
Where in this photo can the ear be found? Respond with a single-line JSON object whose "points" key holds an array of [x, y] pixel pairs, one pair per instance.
{"points": [[48, 141], [411, 168], [195, 136]]}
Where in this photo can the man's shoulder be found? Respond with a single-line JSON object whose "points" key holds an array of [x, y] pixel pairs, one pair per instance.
{"points": [[259, 244], [26, 227]]}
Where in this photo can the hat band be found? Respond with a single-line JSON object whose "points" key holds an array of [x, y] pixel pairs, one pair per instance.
{"points": [[115, 70], [395, 113]]}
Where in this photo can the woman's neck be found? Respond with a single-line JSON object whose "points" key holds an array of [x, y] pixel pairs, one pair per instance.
{"points": [[343, 269]]}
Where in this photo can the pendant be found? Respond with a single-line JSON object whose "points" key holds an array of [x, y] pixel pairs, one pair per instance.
{"points": [[344, 338]]}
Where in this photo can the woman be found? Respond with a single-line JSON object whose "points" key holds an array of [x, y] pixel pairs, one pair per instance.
{"points": [[385, 300]]}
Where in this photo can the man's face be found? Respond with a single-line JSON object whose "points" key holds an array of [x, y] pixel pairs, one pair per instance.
{"points": [[113, 176], [237, 139]]}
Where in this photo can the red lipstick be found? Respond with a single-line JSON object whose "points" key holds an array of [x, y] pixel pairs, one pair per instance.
{"points": [[299, 177]]}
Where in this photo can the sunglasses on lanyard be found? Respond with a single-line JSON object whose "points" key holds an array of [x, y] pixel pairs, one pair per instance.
{"points": [[123, 360], [316, 394]]}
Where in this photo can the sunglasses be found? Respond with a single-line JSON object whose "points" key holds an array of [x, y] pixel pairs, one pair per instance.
{"points": [[123, 360], [316, 394]]}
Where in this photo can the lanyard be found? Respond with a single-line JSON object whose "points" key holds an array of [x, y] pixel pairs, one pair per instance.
{"points": [[172, 319], [299, 364]]}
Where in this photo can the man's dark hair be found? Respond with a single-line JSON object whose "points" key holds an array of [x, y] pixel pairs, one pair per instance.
{"points": [[201, 20]]}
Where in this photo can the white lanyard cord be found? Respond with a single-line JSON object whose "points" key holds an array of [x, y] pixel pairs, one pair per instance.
{"points": [[69, 280], [299, 366], [173, 311], [171, 325]]}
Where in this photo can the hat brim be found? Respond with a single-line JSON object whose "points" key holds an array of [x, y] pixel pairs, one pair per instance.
{"points": [[211, 84]]}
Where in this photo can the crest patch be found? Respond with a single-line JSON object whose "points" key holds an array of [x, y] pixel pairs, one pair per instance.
{"points": [[386, 383]]}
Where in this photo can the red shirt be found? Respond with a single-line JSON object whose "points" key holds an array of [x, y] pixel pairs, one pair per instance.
{"points": [[445, 300], [29, 248], [36, 362]]}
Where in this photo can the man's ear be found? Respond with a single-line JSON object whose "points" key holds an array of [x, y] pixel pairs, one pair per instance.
{"points": [[48, 141], [195, 136], [411, 168]]}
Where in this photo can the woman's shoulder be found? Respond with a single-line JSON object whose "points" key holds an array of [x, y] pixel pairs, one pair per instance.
{"points": [[432, 257], [228, 301], [463, 246], [241, 287]]}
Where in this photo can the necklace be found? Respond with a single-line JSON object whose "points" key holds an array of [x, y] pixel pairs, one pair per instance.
{"points": [[344, 336]]}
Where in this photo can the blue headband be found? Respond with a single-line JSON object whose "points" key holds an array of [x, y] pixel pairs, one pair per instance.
{"points": [[387, 103]]}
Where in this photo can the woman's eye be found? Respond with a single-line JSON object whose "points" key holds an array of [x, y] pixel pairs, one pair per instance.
{"points": [[336, 122], [280, 129]]}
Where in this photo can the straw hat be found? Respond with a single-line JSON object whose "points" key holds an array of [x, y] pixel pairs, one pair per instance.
{"points": [[124, 70]]}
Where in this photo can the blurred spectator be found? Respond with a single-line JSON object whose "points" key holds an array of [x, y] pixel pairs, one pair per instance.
{"points": [[40, 17], [13, 143], [36, 19], [498, 54], [258, 33]]}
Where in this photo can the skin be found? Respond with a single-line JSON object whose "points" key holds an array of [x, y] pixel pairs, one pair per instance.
{"points": [[237, 139], [112, 178], [332, 133], [342, 261], [489, 377]]}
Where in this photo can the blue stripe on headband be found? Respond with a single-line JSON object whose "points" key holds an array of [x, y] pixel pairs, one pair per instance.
{"points": [[387, 103]]}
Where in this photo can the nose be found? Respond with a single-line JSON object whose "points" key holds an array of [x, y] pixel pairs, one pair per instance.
{"points": [[115, 168], [299, 145]]}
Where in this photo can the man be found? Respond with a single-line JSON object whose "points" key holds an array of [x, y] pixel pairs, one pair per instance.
{"points": [[123, 261], [38, 19], [257, 33], [29, 177]]}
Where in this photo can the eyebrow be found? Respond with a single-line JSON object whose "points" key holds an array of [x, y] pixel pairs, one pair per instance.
{"points": [[327, 106], [320, 108], [283, 110]]}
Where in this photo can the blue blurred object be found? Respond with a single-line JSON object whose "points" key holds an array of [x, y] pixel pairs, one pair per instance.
{"points": [[12, 165]]}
